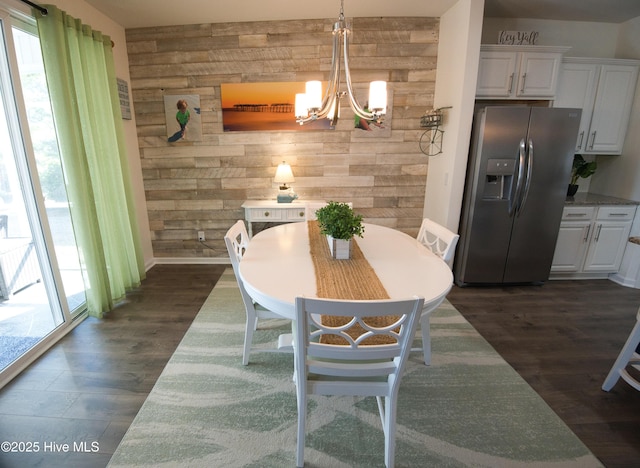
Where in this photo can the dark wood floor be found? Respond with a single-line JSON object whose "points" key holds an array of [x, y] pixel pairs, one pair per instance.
{"points": [[88, 388], [561, 337]]}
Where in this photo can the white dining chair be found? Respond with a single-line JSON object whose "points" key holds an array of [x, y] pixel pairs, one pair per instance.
{"points": [[311, 208], [442, 242], [354, 368], [629, 357], [237, 241]]}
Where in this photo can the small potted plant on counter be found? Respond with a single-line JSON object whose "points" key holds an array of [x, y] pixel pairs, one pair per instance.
{"points": [[580, 169], [340, 224]]}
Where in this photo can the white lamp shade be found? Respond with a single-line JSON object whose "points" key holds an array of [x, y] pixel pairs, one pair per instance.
{"points": [[302, 109], [378, 96], [313, 90], [284, 174]]}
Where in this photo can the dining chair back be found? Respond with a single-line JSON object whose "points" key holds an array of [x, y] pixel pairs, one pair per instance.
{"points": [[358, 367], [312, 207], [237, 241], [442, 242], [629, 357]]}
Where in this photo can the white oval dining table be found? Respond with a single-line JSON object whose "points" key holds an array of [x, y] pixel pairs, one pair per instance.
{"points": [[277, 266]]}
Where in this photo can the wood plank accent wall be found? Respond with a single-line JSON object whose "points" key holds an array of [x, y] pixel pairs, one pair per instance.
{"points": [[192, 186]]}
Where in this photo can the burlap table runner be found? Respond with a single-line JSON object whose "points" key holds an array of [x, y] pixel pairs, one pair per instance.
{"points": [[352, 279]]}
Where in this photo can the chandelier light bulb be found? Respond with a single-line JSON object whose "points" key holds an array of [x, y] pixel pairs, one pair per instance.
{"points": [[378, 97], [301, 105], [313, 90]]}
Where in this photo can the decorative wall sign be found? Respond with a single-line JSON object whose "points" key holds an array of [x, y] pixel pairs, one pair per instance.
{"points": [[518, 37], [182, 113], [263, 107], [123, 94]]}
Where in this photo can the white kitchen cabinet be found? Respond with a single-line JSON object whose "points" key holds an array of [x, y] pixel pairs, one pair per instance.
{"points": [[509, 72], [604, 90], [572, 243], [591, 241]]}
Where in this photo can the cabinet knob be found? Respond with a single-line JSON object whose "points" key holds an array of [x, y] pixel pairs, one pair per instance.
{"points": [[301, 214], [266, 213]]}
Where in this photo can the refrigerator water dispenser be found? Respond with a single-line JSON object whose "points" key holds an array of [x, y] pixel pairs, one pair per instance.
{"points": [[499, 176]]}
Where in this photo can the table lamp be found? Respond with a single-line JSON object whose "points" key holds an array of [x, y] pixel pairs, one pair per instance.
{"points": [[283, 176]]}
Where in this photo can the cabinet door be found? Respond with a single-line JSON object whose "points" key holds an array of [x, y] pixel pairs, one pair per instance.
{"points": [[577, 85], [573, 239], [497, 74], [607, 246], [614, 98], [538, 74]]}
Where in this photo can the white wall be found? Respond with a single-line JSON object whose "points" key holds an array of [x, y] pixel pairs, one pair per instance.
{"points": [[585, 39], [457, 71]]}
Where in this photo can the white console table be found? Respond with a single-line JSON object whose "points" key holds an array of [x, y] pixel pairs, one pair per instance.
{"points": [[273, 212]]}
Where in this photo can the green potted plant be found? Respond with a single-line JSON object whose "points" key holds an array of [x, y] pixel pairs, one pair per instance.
{"points": [[340, 224], [580, 169]]}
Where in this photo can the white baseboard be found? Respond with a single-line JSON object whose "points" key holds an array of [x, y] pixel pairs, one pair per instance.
{"points": [[189, 261]]}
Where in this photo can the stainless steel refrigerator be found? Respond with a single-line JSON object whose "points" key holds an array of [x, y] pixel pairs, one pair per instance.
{"points": [[518, 172]]}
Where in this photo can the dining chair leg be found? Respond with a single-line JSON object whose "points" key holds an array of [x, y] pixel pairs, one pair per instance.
{"points": [[389, 431], [249, 328], [302, 421], [426, 338], [625, 357]]}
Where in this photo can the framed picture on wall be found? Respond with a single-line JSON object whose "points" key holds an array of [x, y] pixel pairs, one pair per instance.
{"points": [[182, 113], [263, 107], [371, 128]]}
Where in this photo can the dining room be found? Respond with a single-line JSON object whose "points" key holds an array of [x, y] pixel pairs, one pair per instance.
{"points": [[189, 192]]}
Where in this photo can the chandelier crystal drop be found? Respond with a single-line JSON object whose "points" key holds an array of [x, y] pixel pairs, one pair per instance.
{"points": [[311, 105]]}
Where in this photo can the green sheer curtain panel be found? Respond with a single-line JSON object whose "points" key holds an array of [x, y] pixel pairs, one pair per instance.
{"points": [[82, 84]]}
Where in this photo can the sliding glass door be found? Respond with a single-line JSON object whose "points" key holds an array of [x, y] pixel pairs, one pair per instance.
{"points": [[41, 280]]}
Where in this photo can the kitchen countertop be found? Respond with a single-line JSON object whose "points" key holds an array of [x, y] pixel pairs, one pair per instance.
{"points": [[582, 198]]}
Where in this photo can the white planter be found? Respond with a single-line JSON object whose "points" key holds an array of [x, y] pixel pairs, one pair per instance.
{"points": [[340, 248]]}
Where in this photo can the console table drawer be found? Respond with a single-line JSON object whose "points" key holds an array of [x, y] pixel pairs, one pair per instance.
{"points": [[266, 214], [295, 214], [270, 211]]}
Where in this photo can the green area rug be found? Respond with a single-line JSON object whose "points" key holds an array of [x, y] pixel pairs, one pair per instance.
{"points": [[469, 408]]}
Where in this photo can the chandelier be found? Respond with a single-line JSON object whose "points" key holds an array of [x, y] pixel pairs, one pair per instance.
{"points": [[311, 105]]}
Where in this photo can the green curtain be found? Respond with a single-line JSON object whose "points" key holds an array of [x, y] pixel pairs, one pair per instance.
{"points": [[81, 79]]}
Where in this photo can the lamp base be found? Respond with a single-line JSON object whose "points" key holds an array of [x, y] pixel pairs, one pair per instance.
{"points": [[286, 196]]}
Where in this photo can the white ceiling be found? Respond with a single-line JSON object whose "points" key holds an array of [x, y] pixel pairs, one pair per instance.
{"points": [[146, 13]]}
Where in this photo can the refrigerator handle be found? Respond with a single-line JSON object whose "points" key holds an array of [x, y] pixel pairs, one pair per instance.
{"points": [[527, 183], [514, 197]]}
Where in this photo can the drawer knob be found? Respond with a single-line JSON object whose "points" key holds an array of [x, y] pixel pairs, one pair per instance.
{"points": [[266, 213], [301, 214]]}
